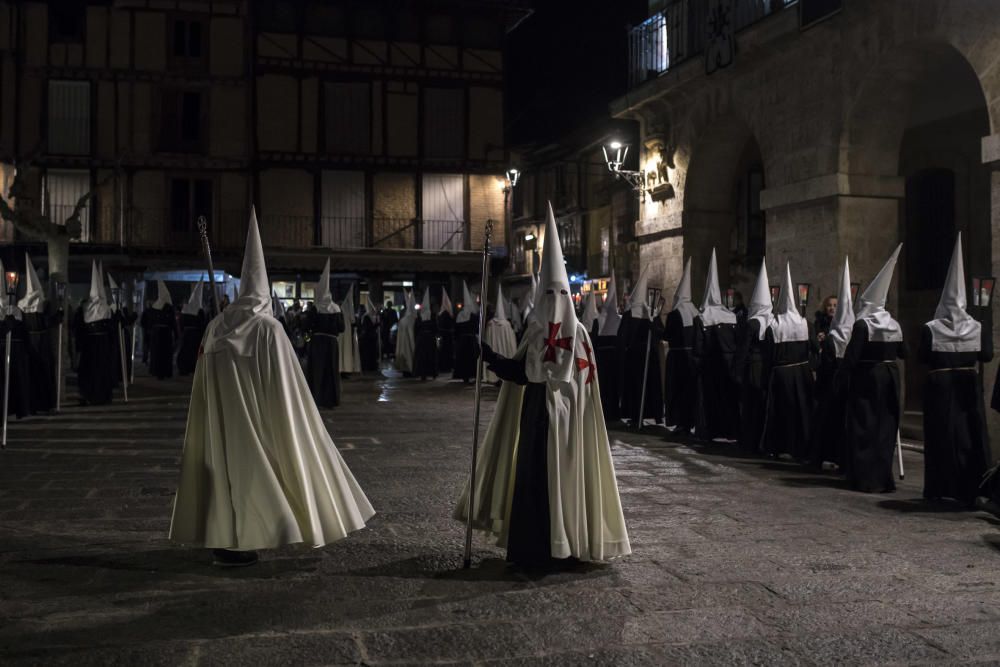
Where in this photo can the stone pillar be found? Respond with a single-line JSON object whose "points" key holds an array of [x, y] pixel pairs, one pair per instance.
{"points": [[991, 157]]}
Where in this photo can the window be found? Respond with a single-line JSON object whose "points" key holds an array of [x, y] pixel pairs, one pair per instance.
{"points": [[439, 30], [929, 227], [188, 42], [348, 118], [277, 16], [481, 32], [322, 18], [182, 122], [342, 221], [67, 19], [69, 118], [189, 199], [444, 122], [443, 212], [63, 188]]}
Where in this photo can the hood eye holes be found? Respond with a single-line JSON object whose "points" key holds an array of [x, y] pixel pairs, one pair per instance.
{"points": [[563, 292]]}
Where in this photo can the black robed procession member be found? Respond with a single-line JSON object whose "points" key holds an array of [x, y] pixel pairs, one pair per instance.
{"points": [[124, 321], [466, 337], [280, 314], [324, 324], [642, 365], [588, 318], [790, 390], [387, 319], [19, 386], [831, 386], [680, 398], [545, 484], [714, 351], [607, 353], [39, 319], [95, 332], [753, 364], [956, 442], [873, 400], [368, 337], [425, 340], [406, 337], [446, 331], [192, 329], [162, 334]]}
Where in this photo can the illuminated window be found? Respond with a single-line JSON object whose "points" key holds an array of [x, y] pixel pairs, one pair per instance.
{"points": [[443, 211], [62, 190]]}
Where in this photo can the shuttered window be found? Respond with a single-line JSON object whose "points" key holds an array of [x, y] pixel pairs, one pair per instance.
{"points": [[342, 222], [69, 118], [444, 122], [348, 118], [443, 212], [63, 189]]}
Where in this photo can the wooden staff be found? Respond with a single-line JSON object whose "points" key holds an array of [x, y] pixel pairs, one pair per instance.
{"points": [[654, 295], [203, 231]]}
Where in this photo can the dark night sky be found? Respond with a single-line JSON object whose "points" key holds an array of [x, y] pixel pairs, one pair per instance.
{"points": [[565, 64]]}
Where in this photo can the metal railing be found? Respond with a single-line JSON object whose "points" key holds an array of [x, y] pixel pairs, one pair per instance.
{"points": [[680, 31]]}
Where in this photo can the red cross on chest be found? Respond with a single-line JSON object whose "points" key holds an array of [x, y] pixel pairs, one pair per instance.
{"points": [[553, 342], [586, 364]]}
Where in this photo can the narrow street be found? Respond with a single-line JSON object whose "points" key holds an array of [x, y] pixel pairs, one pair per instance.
{"points": [[736, 560]]}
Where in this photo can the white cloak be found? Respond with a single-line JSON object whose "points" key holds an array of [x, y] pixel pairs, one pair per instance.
{"points": [[406, 342], [347, 342], [585, 511], [499, 335], [259, 469]]}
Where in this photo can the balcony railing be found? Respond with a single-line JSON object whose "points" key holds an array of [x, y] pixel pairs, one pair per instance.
{"points": [[680, 31]]}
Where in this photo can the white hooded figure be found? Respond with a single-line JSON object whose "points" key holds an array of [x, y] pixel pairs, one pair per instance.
{"points": [[259, 469], [714, 349], [682, 304], [350, 355], [163, 298], [641, 336], [499, 335], [545, 482], [843, 317], [607, 352], [96, 307], [326, 328], [609, 318], [680, 387], [874, 394], [194, 302], [760, 309], [752, 362], [953, 329], [590, 314], [406, 341], [96, 342], [33, 300]]}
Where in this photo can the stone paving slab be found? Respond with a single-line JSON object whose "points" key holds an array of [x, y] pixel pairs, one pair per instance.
{"points": [[737, 560]]}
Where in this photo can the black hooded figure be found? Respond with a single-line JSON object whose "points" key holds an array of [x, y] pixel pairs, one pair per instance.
{"points": [[641, 333], [387, 320], [425, 352], [680, 399], [21, 372], [752, 364], [608, 354], [446, 334], [466, 338], [94, 333], [162, 334], [368, 339], [39, 319], [193, 323], [324, 323]]}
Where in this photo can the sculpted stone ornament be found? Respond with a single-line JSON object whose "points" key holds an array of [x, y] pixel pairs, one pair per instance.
{"points": [[720, 48]]}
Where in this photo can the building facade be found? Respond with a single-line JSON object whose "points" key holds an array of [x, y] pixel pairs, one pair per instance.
{"points": [[372, 132], [813, 130]]}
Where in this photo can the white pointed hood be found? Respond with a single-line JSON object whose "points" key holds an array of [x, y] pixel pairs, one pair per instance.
{"points": [[609, 319], [953, 329], [425, 306], [233, 328], [323, 299], [760, 307], [277, 307], [162, 296], [788, 326], [501, 309], [551, 337], [882, 328], [638, 301], [446, 303], [347, 306], [112, 285], [33, 300], [371, 312], [410, 313], [469, 305], [590, 313], [516, 319], [712, 310], [96, 308], [193, 305], [682, 297], [843, 317]]}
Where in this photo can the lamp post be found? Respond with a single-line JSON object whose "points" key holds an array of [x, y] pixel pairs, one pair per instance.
{"points": [[803, 292], [61, 300], [116, 296], [615, 154], [136, 304], [511, 177], [10, 283]]}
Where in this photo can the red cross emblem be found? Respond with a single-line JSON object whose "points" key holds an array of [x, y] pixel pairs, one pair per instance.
{"points": [[552, 342], [584, 364]]}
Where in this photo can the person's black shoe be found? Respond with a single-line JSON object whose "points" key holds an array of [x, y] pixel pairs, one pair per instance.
{"points": [[227, 558]]}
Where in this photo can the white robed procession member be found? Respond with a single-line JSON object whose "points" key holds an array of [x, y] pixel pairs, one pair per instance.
{"points": [[545, 480], [325, 324], [873, 395], [406, 337], [259, 469], [350, 355], [499, 335], [590, 315], [956, 442]]}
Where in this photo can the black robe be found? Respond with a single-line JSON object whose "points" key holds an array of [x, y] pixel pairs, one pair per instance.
{"points": [[679, 397], [387, 320], [368, 339], [829, 414], [718, 411], [192, 331], [529, 541], [21, 372], [425, 350], [752, 367], [956, 442], [41, 346], [639, 336], [323, 358], [96, 371], [162, 335], [790, 396], [873, 410], [609, 374], [465, 349], [446, 331]]}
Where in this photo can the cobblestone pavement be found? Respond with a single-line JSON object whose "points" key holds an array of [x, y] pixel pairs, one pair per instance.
{"points": [[736, 560]]}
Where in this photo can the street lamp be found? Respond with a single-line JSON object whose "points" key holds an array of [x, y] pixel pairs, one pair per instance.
{"points": [[10, 283], [803, 290], [615, 160], [513, 174]]}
